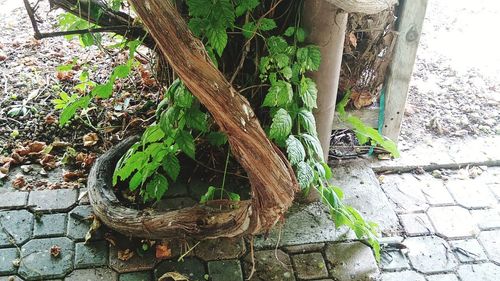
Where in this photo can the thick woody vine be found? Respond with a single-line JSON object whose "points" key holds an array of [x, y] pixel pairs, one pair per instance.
{"points": [[215, 48]]}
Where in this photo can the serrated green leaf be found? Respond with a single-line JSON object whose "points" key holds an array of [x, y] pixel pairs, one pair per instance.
{"points": [[152, 134], [309, 57], [195, 119], [217, 138], [279, 94], [245, 5], [313, 146], [289, 31], [276, 45], [295, 150], [305, 175], [182, 97], [103, 90], [308, 92], [69, 111], [186, 143], [307, 121], [282, 60], [121, 71], [135, 181], [157, 187], [171, 166], [281, 125], [266, 24], [249, 29], [217, 37], [198, 8], [168, 119]]}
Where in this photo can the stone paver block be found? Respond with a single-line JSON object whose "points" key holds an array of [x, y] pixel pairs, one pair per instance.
{"points": [[136, 263], [405, 192], [38, 263], [362, 191], [229, 270], [136, 276], [306, 248], [52, 200], [430, 254], [220, 249], [435, 191], [13, 199], [15, 227], [476, 272], [79, 222], [351, 261], [495, 189], [310, 266], [416, 224], [92, 254], [471, 194], [393, 260], [442, 277], [269, 265], [93, 274], [487, 219], [7, 258], [452, 222], [402, 276], [49, 225], [304, 224], [191, 267], [491, 243], [468, 250], [10, 278]]}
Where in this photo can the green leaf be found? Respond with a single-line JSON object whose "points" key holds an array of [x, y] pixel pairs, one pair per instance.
{"points": [[69, 111], [182, 97], [195, 119], [249, 29], [157, 187], [135, 181], [134, 162], [305, 175], [281, 125], [289, 31], [209, 195], [307, 121], [276, 45], [152, 134], [121, 71], [198, 8], [103, 90], [266, 24], [279, 94], [245, 5], [313, 146], [282, 60], [308, 92], [217, 138], [295, 150], [233, 196], [65, 67], [171, 166], [186, 143], [309, 57], [218, 39], [169, 118]]}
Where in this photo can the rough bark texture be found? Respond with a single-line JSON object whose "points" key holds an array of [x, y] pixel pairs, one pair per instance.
{"points": [[363, 6], [272, 180]]}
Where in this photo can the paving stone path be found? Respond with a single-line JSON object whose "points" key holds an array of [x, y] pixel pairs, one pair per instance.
{"points": [[439, 226]]}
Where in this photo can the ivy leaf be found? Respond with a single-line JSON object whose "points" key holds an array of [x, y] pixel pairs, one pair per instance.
{"points": [[313, 146], [281, 125], [305, 175], [308, 92], [171, 166], [186, 143], [295, 150], [157, 187], [307, 121], [309, 57], [280, 94], [217, 138], [70, 110]]}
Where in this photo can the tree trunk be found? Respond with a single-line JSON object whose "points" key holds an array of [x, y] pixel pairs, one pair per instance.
{"points": [[272, 179], [362, 6]]}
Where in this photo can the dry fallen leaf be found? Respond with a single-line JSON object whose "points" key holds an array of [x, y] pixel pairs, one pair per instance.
{"points": [[353, 40], [64, 75], [55, 251], [19, 182], [72, 176], [125, 255], [96, 224], [2, 56], [110, 238], [36, 147], [90, 139], [173, 276], [85, 160], [163, 251], [48, 161], [361, 99], [50, 119]]}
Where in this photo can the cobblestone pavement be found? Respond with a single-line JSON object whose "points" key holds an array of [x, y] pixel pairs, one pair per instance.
{"points": [[451, 225]]}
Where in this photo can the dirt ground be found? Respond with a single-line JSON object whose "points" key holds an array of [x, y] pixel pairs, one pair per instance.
{"points": [[454, 93], [455, 90]]}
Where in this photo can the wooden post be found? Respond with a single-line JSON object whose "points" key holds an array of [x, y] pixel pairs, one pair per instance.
{"points": [[410, 27]]}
